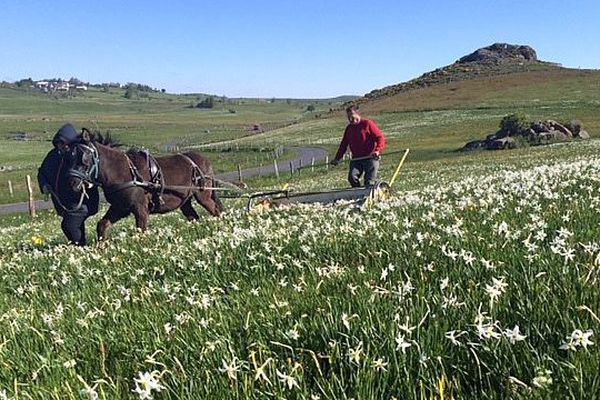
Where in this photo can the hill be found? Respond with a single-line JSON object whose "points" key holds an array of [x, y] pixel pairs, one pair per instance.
{"points": [[498, 74], [434, 115]]}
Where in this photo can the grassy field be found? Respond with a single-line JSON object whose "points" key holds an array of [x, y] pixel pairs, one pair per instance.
{"points": [[433, 121], [476, 279], [162, 123]]}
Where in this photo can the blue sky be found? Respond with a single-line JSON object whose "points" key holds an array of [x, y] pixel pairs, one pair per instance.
{"points": [[301, 49]]}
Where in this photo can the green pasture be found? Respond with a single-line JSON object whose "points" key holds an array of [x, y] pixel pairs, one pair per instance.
{"points": [[476, 279], [432, 122], [470, 282]]}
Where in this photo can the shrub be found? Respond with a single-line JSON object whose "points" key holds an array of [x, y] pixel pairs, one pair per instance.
{"points": [[131, 93], [515, 124], [208, 102], [574, 126]]}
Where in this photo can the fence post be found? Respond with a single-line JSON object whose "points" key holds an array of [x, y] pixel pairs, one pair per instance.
{"points": [[327, 162], [239, 168], [276, 169], [31, 201], [10, 189], [312, 165], [292, 169]]}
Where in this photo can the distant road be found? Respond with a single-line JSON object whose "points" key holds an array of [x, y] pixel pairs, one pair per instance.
{"points": [[305, 156]]}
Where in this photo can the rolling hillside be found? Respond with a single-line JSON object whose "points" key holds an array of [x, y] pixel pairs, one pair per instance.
{"points": [[434, 114], [497, 75]]}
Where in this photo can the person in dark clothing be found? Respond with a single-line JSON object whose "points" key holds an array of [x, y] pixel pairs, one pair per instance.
{"points": [[53, 180], [366, 142]]}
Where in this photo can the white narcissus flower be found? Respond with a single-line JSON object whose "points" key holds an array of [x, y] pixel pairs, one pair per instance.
{"points": [[514, 335], [355, 354], [444, 283], [576, 339], [293, 333], [146, 383], [487, 331], [401, 343], [287, 380], [260, 372], [230, 369], [454, 337], [347, 318], [542, 379]]}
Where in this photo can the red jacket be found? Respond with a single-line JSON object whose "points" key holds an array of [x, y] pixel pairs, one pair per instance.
{"points": [[363, 138]]}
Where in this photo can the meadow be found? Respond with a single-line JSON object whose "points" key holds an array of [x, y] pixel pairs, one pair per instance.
{"points": [[476, 278], [162, 122]]}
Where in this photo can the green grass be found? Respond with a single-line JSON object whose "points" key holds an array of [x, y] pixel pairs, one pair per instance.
{"points": [[161, 123], [475, 243], [433, 122], [324, 295]]}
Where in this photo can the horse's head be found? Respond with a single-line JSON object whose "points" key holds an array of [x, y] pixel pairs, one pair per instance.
{"points": [[84, 163]]}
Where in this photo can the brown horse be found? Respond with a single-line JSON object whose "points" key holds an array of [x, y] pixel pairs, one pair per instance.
{"points": [[139, 184]]}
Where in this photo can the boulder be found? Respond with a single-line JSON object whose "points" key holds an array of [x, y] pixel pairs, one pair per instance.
{"points": [[552, 136], [545, 132], [499, 52], [501, 144], [583, 134], [559, 127], [473, 145]]}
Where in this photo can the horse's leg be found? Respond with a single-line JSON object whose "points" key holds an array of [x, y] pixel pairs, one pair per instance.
{"points": [[204, 197], [141, 218], [215, 198], [112, 215], [189, 211]]}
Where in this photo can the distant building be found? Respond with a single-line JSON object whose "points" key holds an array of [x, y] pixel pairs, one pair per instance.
{"points": [[63, 87]]}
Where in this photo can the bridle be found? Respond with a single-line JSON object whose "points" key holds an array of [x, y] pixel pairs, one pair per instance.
{"points": [[89, 176]]}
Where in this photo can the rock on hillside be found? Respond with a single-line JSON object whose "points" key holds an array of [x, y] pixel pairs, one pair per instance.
{"points": [[500, 53], [540, 132], [497, 59]]}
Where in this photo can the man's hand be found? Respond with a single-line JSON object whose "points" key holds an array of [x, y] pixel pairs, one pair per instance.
{"points": [[334, 162], [375, 155]]}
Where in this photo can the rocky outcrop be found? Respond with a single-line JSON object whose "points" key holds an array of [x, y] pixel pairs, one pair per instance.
{"points": [[500, 53], [545, 132], [494, 60]]}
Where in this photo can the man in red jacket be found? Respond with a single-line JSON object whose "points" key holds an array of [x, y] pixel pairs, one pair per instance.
{"points": [[366, 142]]}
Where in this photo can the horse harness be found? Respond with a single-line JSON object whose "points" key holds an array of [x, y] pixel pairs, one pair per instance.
{"points": [[156, 184]]}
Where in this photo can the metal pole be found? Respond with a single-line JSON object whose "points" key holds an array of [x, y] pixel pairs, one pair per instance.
{"points": [[239, 168], [10, 188], [276, 169], [398, 168]]}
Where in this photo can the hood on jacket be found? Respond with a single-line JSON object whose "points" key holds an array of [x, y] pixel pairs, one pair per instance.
{"points": [[66, 134]]}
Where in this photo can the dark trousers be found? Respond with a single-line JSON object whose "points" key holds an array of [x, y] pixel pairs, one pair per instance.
{"points": [[73, 225], [367, 167]]}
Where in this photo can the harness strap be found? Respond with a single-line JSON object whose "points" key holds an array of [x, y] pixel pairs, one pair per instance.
{"points": [[138, 180], [157, 181], [198, 176], [83, 196]]}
